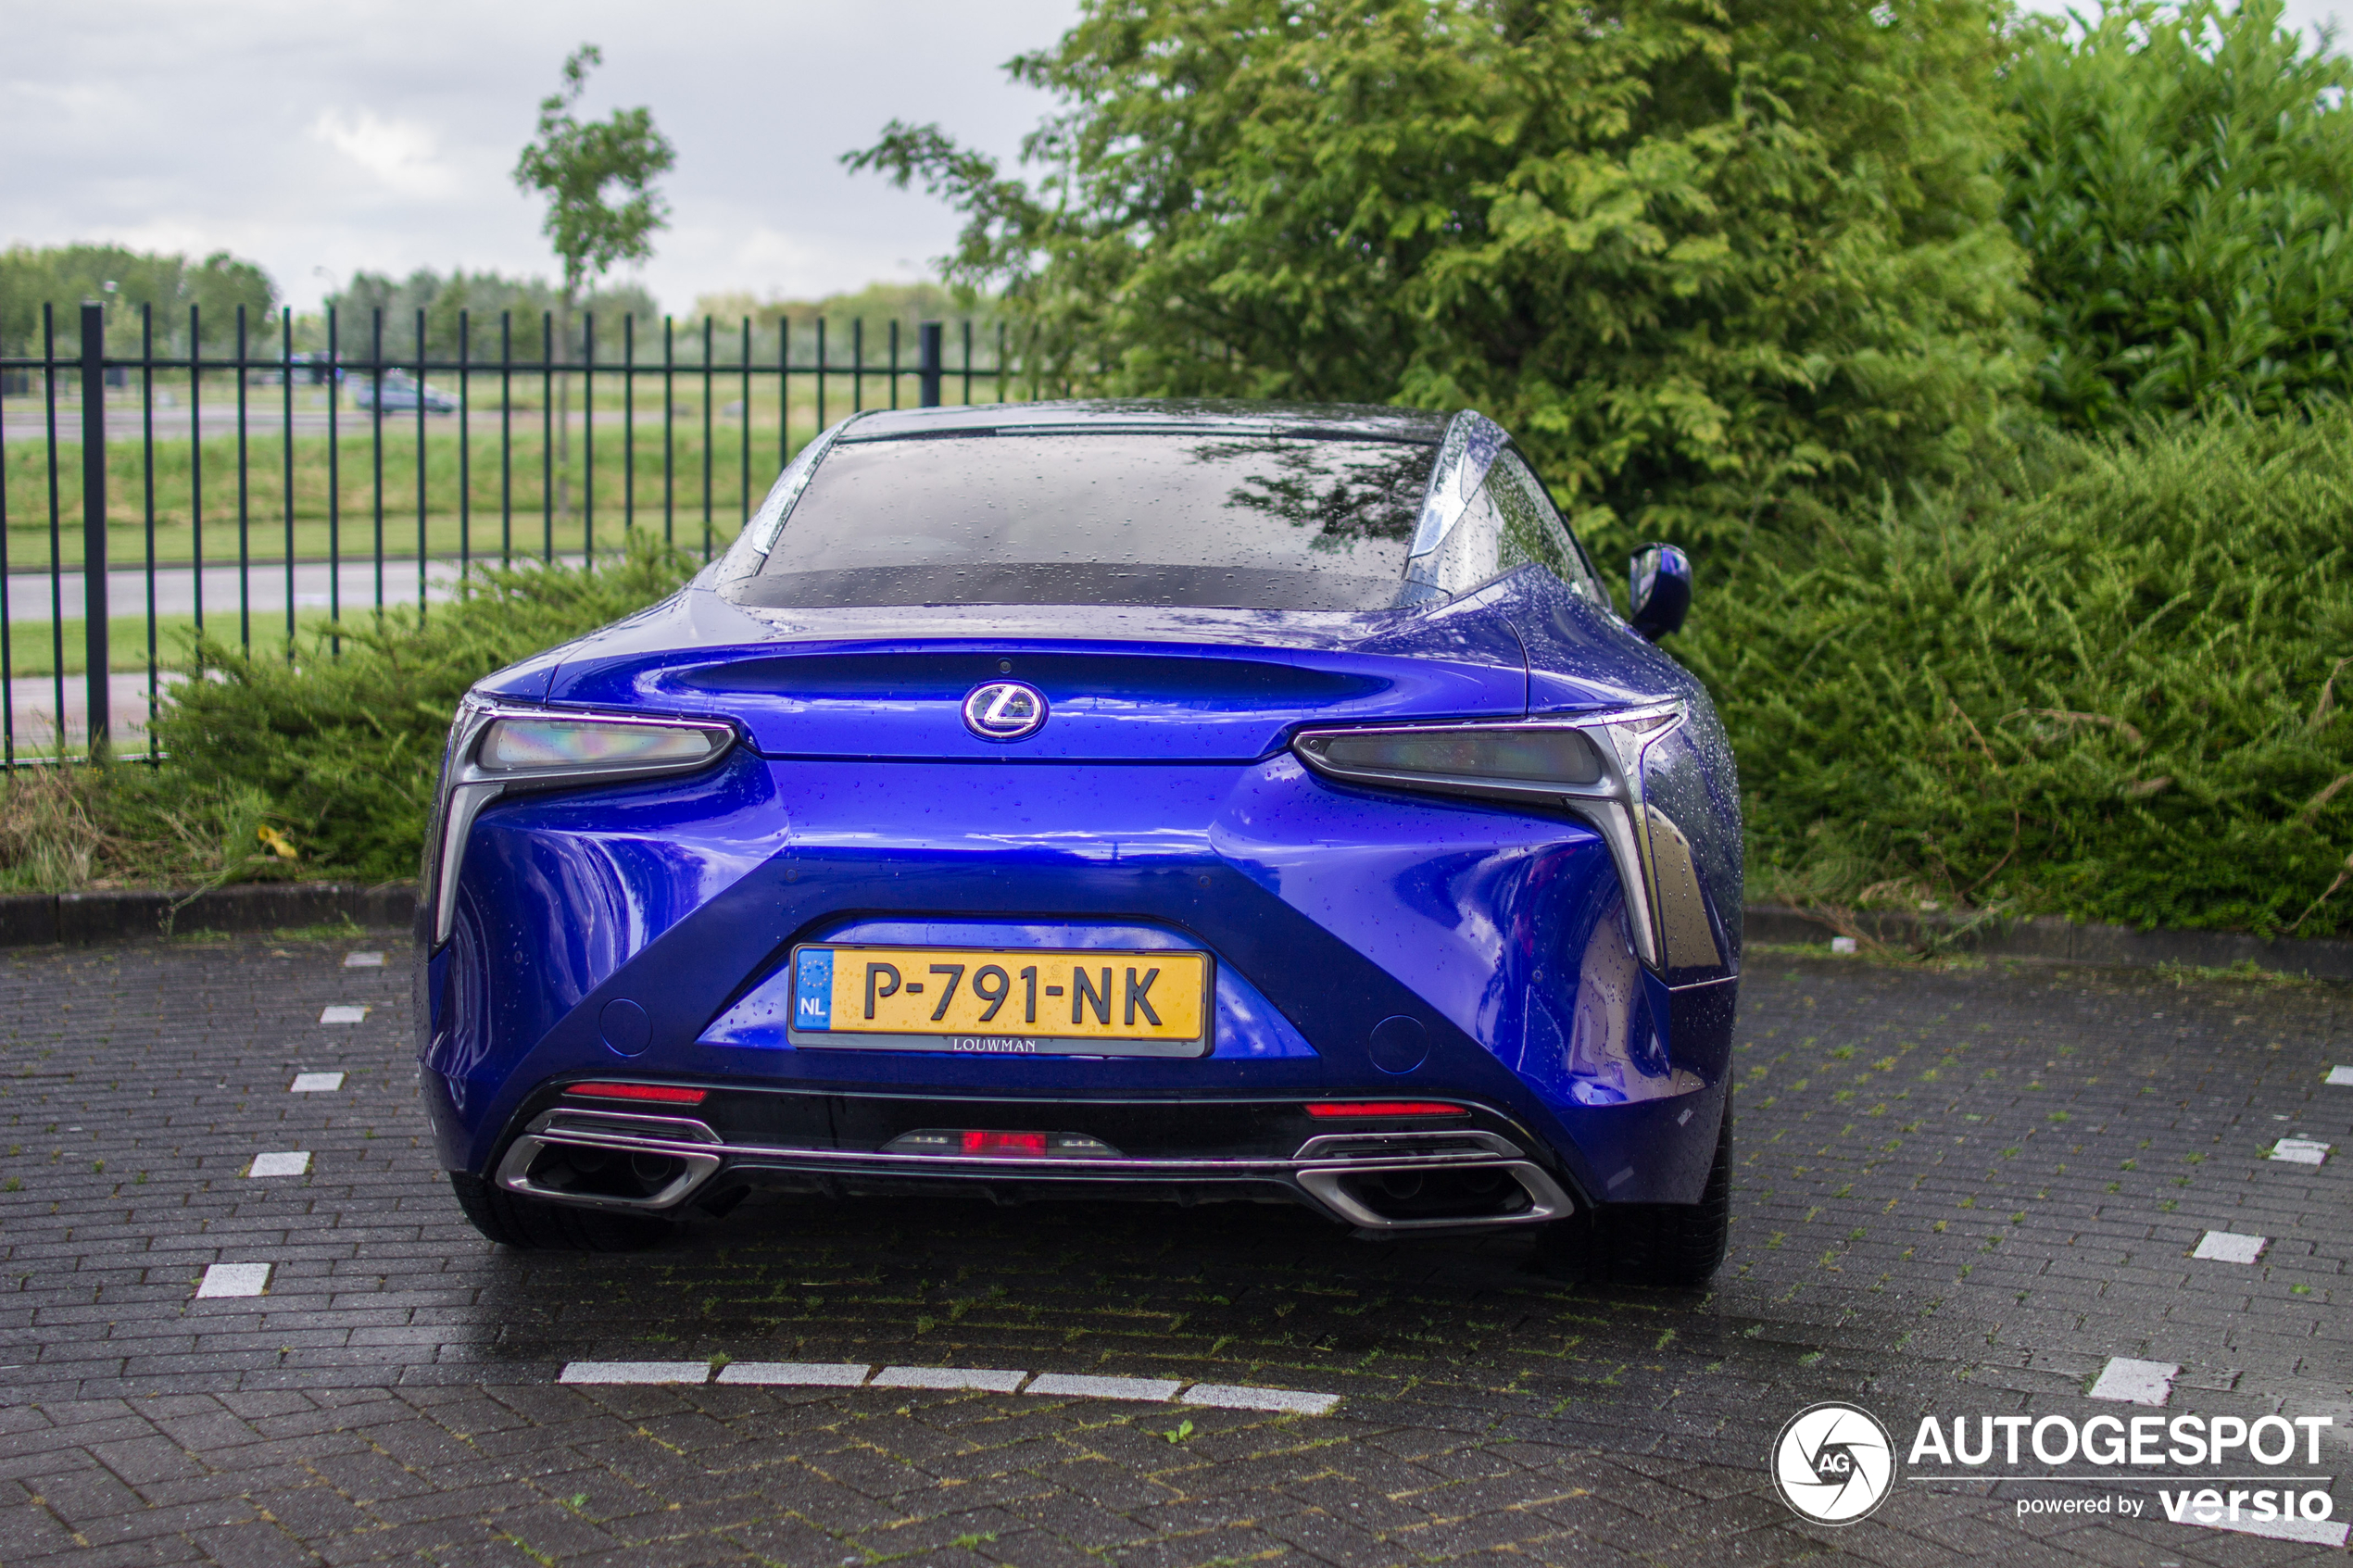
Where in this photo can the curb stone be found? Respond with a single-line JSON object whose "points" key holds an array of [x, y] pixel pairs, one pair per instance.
{"points": [[2055, 940], [38, 918]]}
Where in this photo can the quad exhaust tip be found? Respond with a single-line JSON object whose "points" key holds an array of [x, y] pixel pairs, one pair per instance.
{"points": [[1389, 1196], [1379, 1182], [598, 1160]]}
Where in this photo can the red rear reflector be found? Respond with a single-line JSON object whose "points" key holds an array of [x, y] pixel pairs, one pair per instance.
{"points": [[1384, 1108], [976, 1142], [660, 1094]]}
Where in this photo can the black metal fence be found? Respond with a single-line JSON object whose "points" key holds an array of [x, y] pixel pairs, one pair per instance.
{"points": [[515, 447]]}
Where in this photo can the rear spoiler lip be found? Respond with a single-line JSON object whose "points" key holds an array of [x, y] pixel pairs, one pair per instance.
{"points": [[1466, 660]]}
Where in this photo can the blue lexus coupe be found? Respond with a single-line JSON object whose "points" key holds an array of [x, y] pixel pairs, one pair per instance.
{"points": [[1143, 799]]}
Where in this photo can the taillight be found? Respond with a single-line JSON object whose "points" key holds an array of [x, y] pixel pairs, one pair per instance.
{"points": [[497, 747], [1533, 758], [1325, 1110], [983, 1143], [656, 1094], [978, 1142], [560, 746], [1589, 764]]}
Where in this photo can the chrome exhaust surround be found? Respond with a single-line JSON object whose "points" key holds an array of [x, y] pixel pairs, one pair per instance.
{"points": [[1401, 1146], [1328, 1185], [672, 1138], [1319, 1171]]}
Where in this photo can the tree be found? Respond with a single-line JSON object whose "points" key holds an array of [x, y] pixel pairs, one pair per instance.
{"points": [[1713, 260], [124, 279], [484, 296], [574, 163], [2183, 183]]}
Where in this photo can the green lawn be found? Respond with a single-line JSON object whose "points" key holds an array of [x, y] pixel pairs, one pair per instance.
{"points": [[509, 508], [33, 649], [476, 499]]}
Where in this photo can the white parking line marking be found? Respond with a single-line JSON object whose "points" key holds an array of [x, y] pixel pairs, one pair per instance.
{"points": [[990, 1380], [1155, 1388], [2300, 1151], [316, 1082], [363, 960], [2320, 1532], [2228, 1246], [233, 1279], [294, 1162], [341, 1012], [805, 1375], [2341, 1076], [2135, 1382], [1228, 1396], [994, 1380], [635, 1372]]}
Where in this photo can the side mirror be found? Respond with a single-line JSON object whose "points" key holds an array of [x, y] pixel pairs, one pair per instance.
{"points": [[1660, 590]]}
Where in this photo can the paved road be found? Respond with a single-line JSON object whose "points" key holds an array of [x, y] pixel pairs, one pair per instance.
{"points": [[265, 415], [1959, 1193], [31, 597]]}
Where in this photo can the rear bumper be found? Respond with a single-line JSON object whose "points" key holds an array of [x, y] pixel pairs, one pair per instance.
{"points": [[1479, 1177], [621, 930]]}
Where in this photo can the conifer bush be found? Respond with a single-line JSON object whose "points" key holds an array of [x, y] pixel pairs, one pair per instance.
{"points": [[345, 744], [2108, 680]]}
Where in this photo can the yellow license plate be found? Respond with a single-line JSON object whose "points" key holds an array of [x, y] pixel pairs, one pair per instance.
{"points": [[1003, 1000]]}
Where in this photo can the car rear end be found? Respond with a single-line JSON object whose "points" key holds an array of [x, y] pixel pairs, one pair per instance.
{"points": [[773, 887]]}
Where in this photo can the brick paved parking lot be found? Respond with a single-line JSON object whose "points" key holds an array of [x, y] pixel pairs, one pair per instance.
{"points": [[1972, 1192]]}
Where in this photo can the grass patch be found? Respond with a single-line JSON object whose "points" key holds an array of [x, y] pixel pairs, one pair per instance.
{"points": [[33, 647], [2247, 971], [125, 825], [342, 930]]}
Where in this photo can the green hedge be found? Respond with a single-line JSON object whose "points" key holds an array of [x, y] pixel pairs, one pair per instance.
{"points": [[2181, 179], [2112, 686]]}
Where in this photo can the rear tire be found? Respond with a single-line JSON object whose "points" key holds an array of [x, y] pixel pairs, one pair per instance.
{"points": [[533, 1223], [1679, 1245]]}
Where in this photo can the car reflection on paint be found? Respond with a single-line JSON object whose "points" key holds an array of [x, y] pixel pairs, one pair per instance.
{"points": [[1139, 800]]}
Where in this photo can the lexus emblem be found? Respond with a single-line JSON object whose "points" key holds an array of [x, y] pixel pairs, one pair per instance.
{"points": [[1004, 711]]}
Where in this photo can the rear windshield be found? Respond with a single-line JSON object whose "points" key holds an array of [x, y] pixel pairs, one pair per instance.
{"points": [[1251, 521]]}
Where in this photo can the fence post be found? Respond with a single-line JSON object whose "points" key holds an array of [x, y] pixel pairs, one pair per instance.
{"points": [[93, 522], [927, 363]]}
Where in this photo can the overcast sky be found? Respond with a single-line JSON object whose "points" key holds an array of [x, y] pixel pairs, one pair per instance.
{"points": [[318, 136]]}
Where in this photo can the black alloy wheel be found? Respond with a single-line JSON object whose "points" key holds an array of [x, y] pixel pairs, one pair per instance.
{"points": [[1679, 1245]]}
